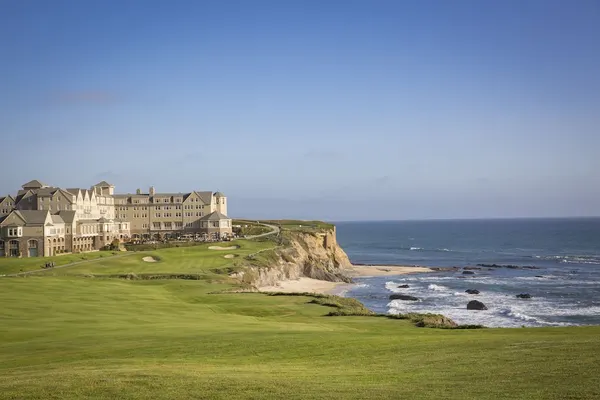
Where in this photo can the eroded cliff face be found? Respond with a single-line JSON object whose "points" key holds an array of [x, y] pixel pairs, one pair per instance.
{"points": [[311, 255]]}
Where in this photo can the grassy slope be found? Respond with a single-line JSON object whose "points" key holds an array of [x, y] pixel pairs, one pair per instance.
{"points": [[16, 265], [75, 337]]}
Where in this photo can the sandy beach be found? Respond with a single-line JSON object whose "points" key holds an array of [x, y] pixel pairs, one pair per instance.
{"points": [[309, 285], [303, 285], [366, 271]]}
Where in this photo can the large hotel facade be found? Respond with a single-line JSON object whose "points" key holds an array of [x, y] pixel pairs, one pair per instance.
{"points": [[42, 220]]}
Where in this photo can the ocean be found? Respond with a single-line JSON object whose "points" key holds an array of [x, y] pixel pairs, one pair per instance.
{"points": [[564, 287]]}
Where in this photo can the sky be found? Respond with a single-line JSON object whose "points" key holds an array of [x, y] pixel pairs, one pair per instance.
{"points": [[325, 109]]}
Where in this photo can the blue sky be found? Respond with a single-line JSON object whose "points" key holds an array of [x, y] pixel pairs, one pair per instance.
{"points": [[331, 109]]}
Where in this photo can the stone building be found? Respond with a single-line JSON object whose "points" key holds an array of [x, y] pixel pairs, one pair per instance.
{"points": [[43, 220]]}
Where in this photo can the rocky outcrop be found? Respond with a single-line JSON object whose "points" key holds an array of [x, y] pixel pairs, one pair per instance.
{"points": [[403, 297], [508, 266], [403, 286], [524, 296], [303, 254], [468, 273], [476, 305], [472, 291]]}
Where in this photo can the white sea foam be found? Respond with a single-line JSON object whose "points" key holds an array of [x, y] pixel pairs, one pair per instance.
{"points": [[416, 248], [572, 259], [504, 309], [437, 288]]}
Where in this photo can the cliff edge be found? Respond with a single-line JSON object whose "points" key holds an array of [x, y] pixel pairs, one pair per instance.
{"points": [[311, 252]]}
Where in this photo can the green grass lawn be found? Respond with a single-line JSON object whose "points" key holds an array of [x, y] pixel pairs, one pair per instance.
{"points": [[176, 260], [292, 224], [70, 336], [16, 265], [251, 228]]}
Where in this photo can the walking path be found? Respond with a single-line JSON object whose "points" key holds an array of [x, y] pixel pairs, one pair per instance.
{"points": [[274, 230]]}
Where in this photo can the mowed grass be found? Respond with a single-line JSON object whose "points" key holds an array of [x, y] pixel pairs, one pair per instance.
{"points": [[64, 337], [176, 260], [291, 224], [10, 265]]}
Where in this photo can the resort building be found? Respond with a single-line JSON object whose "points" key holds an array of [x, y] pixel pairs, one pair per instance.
{"points": [[43, 220]]}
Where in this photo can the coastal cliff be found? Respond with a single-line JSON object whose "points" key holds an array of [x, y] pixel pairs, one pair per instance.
{"points": [[301, 253]]}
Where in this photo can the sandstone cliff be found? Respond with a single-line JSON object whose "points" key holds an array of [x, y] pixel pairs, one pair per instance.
{"points": [[314, 255]]}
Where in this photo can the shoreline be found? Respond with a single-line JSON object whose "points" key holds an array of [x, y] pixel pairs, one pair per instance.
{"points": [[310, 285]]}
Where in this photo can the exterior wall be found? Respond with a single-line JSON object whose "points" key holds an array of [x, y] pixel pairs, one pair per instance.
{"points": [[221, 205], [220, 227], [6, 206], [54, 239], [101, 216], [28, 202], [31, 237], [25, 246], [54, 203]]}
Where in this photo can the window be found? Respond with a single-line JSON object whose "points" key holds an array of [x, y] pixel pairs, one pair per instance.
{"points": [[15, 232], [144, 225], [156, 225], [157, 207], [166, 200], [157, 215], [178, 224], [13, 247]]}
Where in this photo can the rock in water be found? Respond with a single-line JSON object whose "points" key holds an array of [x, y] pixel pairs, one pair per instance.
{"points": [[468, 273], [524, 296], [403, 297], [476, 305], [402, 286], [472, 291]]}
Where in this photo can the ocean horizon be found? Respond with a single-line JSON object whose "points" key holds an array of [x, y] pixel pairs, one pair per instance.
{"points": [[561, 256]]}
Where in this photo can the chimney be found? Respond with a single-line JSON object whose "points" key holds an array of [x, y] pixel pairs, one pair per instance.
{"points": [[151, 191], [138, 191]]}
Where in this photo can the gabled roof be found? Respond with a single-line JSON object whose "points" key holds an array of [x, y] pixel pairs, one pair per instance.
{"points": [[23, 194], [46, 192], [219, 194], [34, 184], [8, 197], [103, 184], [206, 197], [52, 191], [56, 219], [168, 194], [68, 216], [34, 217], [73, 191], [214, 216]]}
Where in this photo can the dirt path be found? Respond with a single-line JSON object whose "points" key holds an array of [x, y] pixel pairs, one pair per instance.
{"points": [[274, 231]]}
